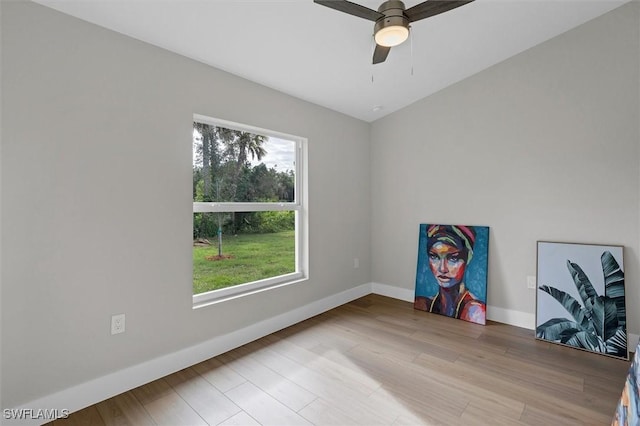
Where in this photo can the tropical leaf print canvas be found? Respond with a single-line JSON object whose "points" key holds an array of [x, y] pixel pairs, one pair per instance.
{"points": [[581, 297]]}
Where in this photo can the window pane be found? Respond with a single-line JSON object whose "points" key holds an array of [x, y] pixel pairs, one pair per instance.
{"points": [[249, 221], [238, 166], [237, 248]]}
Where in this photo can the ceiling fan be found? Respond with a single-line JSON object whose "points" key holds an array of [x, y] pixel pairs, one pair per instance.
{"points": [[392, 19]]}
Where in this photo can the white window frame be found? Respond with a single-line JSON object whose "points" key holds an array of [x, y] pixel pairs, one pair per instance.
{"points": [[299, 206]]}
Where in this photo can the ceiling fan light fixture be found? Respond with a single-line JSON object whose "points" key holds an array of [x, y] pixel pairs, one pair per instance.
{"points": [[392, 19], [393, 28], [392, 35]]}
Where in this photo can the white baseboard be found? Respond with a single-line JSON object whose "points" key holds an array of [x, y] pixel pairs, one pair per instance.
{"points": [[393, 292], [511, 317], [93, 391], [506, 316]]}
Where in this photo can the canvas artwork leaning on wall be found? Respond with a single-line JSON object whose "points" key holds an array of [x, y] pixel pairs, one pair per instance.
{"points": [[452, 271], [581, 297]]}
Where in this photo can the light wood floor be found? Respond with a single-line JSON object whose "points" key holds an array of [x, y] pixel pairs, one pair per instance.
{"points": [[376, 361]]}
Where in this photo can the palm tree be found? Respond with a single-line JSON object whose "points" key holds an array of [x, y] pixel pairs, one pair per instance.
{"points": [[242, 145], [238, 145], [250, 143], [222, 156], [207, 149]]}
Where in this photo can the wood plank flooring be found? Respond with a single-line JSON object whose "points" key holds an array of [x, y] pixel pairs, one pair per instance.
{"points": [[376, 361]]}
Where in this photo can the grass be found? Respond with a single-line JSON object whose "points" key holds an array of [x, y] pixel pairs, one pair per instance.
{"points": [[253, 257]]}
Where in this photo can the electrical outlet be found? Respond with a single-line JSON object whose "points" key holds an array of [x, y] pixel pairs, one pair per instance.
{"points": [[356, 263], [531, 281], [117, 324]]}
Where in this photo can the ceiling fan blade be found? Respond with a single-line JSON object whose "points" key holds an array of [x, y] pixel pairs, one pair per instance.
{"points": [[431, 8], [351, 8], [380, 54]]}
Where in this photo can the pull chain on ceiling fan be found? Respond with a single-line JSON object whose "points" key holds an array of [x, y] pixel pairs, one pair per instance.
{"points": [[392, 20]]}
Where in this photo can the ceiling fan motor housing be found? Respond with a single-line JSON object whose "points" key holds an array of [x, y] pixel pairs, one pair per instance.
{"points": [[393, 11]]}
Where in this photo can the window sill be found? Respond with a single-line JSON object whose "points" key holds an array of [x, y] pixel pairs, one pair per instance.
{"points": [[230, 293]]}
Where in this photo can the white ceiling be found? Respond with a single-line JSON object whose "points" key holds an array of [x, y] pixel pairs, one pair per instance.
{"points": [[324, 56]]}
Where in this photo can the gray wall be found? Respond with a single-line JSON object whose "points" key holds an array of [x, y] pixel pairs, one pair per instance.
{"points": [[96, 200], [543, 146]]}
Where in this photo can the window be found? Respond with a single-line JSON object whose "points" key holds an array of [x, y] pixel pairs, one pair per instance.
{"points": [[249, 224]]}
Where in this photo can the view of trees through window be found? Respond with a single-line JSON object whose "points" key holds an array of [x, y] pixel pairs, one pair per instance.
{"points": [[243, 229]]}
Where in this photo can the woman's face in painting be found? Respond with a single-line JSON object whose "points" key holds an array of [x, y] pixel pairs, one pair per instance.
{"points": [[447, 264]]}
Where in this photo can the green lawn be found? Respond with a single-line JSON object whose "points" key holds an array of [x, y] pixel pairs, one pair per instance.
{"points": [[253, 257]]}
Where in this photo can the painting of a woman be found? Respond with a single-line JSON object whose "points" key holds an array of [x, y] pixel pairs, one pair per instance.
{"points": [[445, 277]]}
